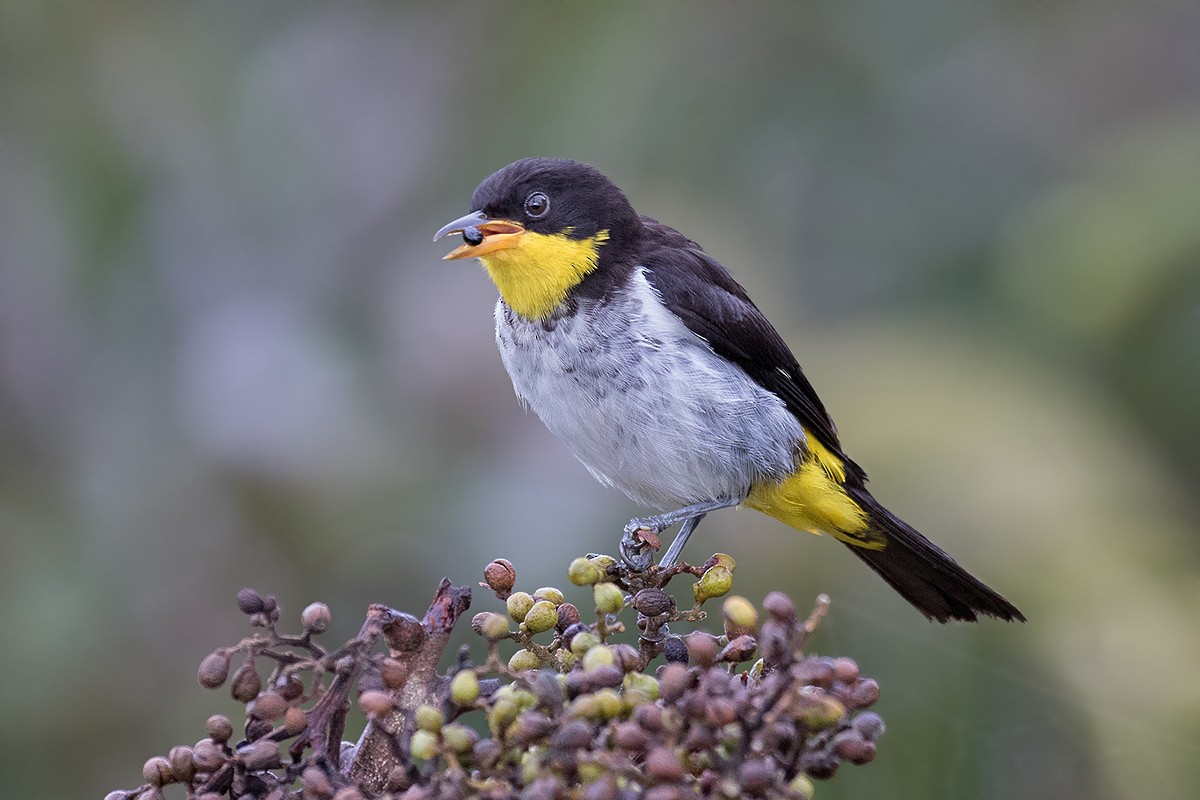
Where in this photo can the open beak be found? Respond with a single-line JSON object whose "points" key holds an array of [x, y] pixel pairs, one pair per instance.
{"points": [[481, 235]]}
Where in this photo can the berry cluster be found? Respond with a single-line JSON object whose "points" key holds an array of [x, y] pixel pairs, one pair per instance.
{"points": [[574, 713]]}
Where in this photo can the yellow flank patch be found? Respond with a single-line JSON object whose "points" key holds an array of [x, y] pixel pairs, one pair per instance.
{"points": [[535, 276], [813, 499]]}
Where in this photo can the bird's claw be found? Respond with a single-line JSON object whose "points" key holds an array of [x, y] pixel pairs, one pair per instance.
{"points": [[639, 543]]}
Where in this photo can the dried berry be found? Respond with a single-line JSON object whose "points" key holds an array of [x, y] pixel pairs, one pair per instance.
{"points": [[214, 669], [500, 576], [376, 704], [568, 615], [157, 771], [653, 602], [249, 601], [316, 618], [246, 683], [219, 728], [394, 673], [268, 706]]}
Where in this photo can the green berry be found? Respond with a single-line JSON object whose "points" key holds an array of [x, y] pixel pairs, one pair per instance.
{"points": [[715, 582], [740, 614], [490, 626], [550, 593], [459, 737], [598, 656], [519, 604], [464, 689], [423, 745], [609, 598], [583, 642], [523, 660], [582, 572], [542, 616], [429, 718]]}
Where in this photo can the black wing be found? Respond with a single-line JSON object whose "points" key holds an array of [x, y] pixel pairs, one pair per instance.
{"points": [[702, 293]]}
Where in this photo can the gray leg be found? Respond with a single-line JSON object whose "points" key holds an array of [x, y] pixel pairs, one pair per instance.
{"points": [[685, 531], [636, 553]]}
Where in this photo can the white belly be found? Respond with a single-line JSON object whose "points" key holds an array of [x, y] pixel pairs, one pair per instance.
{"points": [[644, 403]]}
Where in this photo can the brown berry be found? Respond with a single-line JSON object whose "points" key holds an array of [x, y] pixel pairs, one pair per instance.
{"points": [[702, 648], [157, 771], [181, 763], [662, 764], [393, 673], [868, 724], [673, 681], [314, 782], [849, 746], [219, 728], [207, 756], [500, 576], [260, 755], [214, 669], [268, 705], [653, 602], [568, 615], [249, 601], [864, 694], [756, 776], [246, 683], [781, 607], [376, 704], [316, 618], [295, 720]]}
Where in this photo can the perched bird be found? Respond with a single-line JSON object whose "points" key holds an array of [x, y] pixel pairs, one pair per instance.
{"points": [[640, 352]]}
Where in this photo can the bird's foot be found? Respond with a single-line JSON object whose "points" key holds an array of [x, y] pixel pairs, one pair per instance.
{"points": [[640, 542]]}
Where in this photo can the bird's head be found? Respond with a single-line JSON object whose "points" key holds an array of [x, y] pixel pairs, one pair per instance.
{"points": [[542, 225]]}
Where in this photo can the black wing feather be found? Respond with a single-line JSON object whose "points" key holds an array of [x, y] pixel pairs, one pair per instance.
{"points": [[701, 292]]}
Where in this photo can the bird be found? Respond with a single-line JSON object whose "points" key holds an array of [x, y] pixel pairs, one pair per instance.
{"points": [[644, 355]]}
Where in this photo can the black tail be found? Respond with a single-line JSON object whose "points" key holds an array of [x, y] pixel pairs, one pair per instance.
{"points": [[924, 574]]}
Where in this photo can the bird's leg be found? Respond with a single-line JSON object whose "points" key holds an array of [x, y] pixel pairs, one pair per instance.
{"points": [[636, 552]]}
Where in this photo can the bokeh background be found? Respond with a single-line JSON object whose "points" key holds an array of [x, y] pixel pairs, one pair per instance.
{"points": [[230, 355]]}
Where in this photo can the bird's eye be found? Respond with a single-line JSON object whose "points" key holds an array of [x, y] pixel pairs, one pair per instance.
{"points": [[536, 205]]}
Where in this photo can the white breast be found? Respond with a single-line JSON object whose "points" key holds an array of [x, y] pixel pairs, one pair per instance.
{"points": [[644, 403]]}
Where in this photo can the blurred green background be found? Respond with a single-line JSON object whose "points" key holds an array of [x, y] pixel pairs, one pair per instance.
{"points": [[230, 355]]}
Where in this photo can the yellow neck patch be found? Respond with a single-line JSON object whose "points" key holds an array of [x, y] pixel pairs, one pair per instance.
{"points": [[535, 276]]}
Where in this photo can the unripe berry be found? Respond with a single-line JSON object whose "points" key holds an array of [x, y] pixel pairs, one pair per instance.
{"points": [[429, 718], [741, 616], [609, 598], [518, 604], [549, 593], [542, 616], [523, 660], [464, 688], [715, 582], [583, 572], [424, 745], [490, 626]]}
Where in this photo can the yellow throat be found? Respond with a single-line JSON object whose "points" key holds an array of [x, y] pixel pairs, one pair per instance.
{"points": [[535, 276]]}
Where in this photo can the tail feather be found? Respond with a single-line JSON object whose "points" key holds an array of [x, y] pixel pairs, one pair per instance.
{"points": [[923, 573]]}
